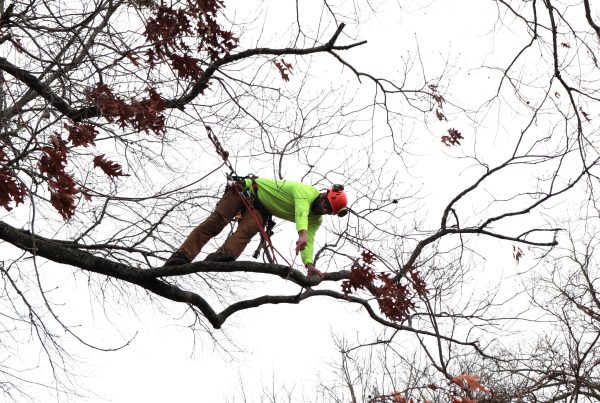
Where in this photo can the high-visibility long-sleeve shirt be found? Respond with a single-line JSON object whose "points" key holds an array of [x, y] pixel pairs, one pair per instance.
{"points": [[291, 201]]}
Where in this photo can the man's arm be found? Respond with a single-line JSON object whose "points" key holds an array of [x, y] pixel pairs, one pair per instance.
{"points": [[307, 238], [302, 241], [301, 246]]}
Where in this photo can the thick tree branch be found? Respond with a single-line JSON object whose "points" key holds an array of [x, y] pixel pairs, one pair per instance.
{"points": [[42, 89], [39, 246], [75, 62], [590, 20], [282, 271], [148, 279], [199, 86]]}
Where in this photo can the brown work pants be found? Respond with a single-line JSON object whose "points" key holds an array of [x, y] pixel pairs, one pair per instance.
{"points": [[226, 209]]}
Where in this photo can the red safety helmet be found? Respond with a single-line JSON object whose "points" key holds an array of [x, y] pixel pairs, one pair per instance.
{"points": [[337, 200]]}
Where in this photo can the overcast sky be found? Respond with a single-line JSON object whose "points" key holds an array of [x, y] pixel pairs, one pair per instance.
{"points": [[290, 348]]}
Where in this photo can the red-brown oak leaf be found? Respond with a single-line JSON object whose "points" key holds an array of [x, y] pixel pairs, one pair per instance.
{"points": [[81, 134], [109, 167], [11, 190]]}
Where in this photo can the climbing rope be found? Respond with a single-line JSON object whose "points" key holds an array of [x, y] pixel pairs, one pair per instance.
{"points": [[261, 226], [220, 150]]}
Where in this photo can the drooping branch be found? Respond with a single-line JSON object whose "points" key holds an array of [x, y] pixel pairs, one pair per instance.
{"points": [[309, 292]]}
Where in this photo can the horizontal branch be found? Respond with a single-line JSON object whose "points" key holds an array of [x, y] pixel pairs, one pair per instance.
{"points": [[150, 279], [460, 231], [282, 271]]}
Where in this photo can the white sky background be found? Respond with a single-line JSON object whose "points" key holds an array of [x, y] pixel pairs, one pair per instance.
{"points": [[290, 346]]}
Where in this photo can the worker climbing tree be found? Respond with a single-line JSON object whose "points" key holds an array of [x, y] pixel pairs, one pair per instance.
{"points": [[257, 200], [472, 182]]}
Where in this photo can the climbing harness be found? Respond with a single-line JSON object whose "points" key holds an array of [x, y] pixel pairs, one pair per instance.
{"points": [[251, 203], [220, 150]]}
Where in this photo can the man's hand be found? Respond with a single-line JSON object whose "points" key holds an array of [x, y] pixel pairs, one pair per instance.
{"points": [[301, 242], [310, 270]]}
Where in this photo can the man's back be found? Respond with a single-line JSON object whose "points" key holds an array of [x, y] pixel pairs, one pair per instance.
{"points": [[288, 200]]}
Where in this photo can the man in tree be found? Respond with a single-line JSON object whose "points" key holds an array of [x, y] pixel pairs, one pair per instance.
{"points": [[291, 201]]}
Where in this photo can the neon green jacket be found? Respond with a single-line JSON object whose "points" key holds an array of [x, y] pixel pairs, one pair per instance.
{"points": [[291, 201]]}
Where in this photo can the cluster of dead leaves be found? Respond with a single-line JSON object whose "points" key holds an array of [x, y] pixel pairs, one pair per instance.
{"points": [[143, 115], [61, 184], [12, 190], [52, 166], [53, 163], [284, 68], [453, 138], [395, 298], [169, 28]]}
